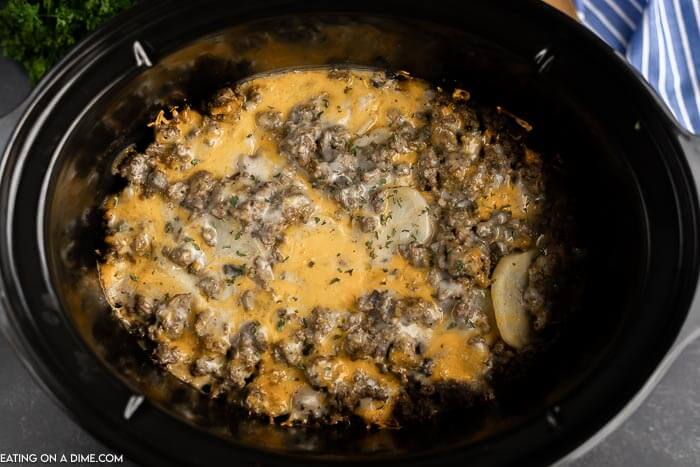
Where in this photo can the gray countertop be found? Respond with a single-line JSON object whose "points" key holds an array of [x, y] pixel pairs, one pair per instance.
{"points": [[665, 431]]}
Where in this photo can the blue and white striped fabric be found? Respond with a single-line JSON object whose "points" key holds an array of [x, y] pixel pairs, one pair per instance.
{"points": [[661, 38]]}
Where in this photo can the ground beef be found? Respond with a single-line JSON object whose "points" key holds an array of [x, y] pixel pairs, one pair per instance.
{"points": [[300, 144], [172, 316], [248, 300], [270, 120], [252, 98], [403, 134], [141, 244], [427, 170], [261, 272], [404, 357], [220, 199], [368, 223], [471, 310], [182, 156], [416, 253], [321, 323], [211, 130], [135, 314], [207, 365], [247, 347], [416, 310], [301, 131], [374, 327], [213, 330], [209, 234], [366, 338], [291, 350], [350, 197], [272, 207], [296, 207], [133, 166], [200, 187], [473, 262], [210, 287], [177, 192], [445, 126], [377, 305], [156, 183], [143, 306], [251, 211], [541, 286], [166, 354], [319, 371], [225, 102], [183, 255], [167, 133], [362, 386], [164, 153], [333, 142]]}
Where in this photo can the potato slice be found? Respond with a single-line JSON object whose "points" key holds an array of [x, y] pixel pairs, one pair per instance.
{"points": [[377, 136], [509, 282], [258, 166], [233, 242], [406, 216], [405, 219]]}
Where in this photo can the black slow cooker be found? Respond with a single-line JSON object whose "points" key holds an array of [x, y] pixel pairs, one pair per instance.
{"points": [[632, 170]]}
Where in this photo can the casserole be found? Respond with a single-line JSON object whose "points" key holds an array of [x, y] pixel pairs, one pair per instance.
{"points": [[633, 173]]}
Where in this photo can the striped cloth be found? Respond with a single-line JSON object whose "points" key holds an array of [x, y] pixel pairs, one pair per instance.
{"points": [[661, 38]]}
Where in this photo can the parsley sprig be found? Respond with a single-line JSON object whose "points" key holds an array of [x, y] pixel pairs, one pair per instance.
{"points": [[37, 33]]}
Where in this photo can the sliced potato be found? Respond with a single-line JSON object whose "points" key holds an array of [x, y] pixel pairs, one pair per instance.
{"points": [[235, 243], [405, 219], [406, 216], [258, 166], [377, 136], [509, 282]]}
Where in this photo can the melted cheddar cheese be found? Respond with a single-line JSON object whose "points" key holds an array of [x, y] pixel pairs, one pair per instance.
{"points": [[325, 261]]}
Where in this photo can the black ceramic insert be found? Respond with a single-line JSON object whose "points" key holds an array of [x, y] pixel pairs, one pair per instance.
{"points": [[628, 168]]}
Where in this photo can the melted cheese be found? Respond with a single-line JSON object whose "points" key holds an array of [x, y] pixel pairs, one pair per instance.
{"points": [[272, 392], [455, 358], [328, 265], [327, 260], [508, 196]]}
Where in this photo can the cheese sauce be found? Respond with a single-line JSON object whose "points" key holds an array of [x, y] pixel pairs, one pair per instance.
{"points": [[270, 248]]}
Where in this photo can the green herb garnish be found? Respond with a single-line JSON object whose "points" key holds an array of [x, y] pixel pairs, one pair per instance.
{"points": [[233, 271], [38, 33]]}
